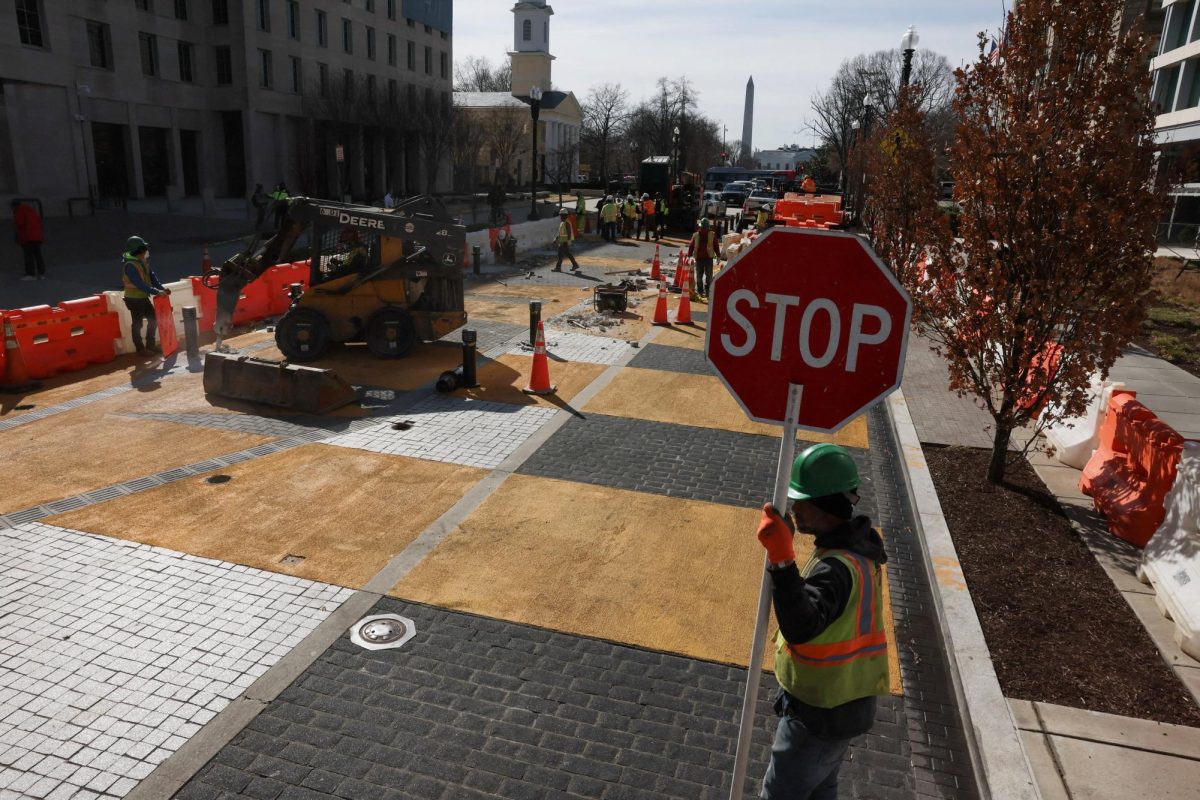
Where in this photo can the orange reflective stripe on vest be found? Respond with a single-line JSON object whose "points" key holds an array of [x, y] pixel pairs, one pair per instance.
{"points": [[870, 639]]}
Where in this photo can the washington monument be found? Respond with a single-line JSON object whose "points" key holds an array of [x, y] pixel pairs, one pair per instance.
{"points": [[748, 122]]}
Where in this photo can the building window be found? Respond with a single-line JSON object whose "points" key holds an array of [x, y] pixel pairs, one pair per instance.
{"points": [[181, 9], [428, 29], [412, 56], [410, 93], [99, 45], [370, 88], [410, 23], [223, 58], [546, 32], [322, 29], [293, 19], [391, 50], [445, 36], [391, 9], [185, 62], [347, 37], [445, 65], [371, 44], [526, 31], [148, 45], [264, 69], [264, 15], [348, 84], [323, 79], [297, 75], [29, 23], [220, 12], [142, 5], [393, 91], [369, 5], [428, 98], [428, 60]]}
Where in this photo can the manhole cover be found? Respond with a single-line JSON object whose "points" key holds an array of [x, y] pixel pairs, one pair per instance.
{"points": [[382, 631], [218, 479]]}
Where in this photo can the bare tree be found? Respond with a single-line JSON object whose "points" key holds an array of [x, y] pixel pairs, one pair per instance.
{"points": [[560, 168], [605, 113], [435, 126], [503, 136], [476, 74], [874, 78]]}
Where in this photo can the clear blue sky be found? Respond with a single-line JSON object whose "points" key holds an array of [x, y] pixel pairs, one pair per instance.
{"points": [[791, 47]]}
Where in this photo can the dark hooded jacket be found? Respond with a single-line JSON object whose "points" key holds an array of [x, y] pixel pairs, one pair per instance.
{"points": [[805, 607]]}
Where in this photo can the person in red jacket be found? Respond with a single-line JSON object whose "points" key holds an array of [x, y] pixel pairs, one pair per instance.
{"points": [[30, 237]]}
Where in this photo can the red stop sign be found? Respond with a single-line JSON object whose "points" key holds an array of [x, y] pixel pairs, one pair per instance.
{"points": [[817, 308]]}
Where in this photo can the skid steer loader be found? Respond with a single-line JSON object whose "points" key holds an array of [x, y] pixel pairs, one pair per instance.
{"points": [[390, 278]]}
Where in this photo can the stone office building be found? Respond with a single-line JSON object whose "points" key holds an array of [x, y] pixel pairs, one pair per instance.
{"points": [[173, 98]]}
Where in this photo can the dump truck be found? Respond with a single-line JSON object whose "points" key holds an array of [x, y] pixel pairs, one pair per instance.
{"points": [[389, 277]]}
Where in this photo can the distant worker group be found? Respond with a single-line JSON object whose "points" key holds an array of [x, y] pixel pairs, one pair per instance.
{"points": [[631, 218]]}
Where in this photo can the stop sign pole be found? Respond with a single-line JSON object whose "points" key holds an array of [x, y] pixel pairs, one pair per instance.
{"points": [[796, 313]]}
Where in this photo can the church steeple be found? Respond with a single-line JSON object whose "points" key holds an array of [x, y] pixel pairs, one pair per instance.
{"points": [[531, 46]]}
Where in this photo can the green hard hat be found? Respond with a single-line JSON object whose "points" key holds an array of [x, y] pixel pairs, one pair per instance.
{"points": [[135, 244], [821, 470]]}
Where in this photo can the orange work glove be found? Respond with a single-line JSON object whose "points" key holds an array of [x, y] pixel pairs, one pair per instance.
{"points": [[776, 536]]}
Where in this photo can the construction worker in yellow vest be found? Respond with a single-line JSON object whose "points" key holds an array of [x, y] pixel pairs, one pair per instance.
{"points": [[563, 240], [763, 217], [831, 656], [140, 284], [608, 218], [629, 213]]}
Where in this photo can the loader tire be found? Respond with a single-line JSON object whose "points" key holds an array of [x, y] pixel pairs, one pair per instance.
{"points": [[302, 335], [390, 333]]}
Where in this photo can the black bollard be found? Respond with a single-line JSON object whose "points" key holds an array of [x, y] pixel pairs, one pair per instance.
{"points": [[475, 259], [468, 364], [535, 316], [191, 332]]}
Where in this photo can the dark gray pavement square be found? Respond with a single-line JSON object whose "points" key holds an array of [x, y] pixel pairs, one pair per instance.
{"points": [[672, 359], [662, 458]]}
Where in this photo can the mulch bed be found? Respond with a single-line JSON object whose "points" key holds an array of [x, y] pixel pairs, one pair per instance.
{"points": [[1058, 629]]}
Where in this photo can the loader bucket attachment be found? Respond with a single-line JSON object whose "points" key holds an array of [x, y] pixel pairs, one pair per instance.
{"points": [[276, 383]]}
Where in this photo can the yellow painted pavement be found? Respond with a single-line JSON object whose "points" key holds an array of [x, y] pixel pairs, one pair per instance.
{"points": [[345, 511], [503, 379]]}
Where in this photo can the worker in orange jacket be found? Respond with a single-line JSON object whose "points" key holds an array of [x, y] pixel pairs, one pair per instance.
{"points": [[703, 247]]}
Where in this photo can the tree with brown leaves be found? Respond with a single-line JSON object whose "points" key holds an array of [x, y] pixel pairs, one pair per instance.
{"points": [[1053, 167]]}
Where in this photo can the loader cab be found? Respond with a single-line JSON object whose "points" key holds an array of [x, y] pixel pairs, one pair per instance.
{"points": [[341, 250]]}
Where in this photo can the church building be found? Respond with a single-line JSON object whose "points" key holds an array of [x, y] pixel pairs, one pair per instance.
{"points": [[504, 118]]}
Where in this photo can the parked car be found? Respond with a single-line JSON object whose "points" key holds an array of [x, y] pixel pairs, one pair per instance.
{"points": [[757, 199], [734, 193], [714, 206]]}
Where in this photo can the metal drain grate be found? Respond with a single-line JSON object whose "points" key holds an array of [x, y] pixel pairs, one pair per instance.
{"points": [[382, 631]]}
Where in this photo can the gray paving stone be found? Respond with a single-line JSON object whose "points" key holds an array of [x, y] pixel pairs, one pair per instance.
{"points": [[662, 458], [672, 359]]}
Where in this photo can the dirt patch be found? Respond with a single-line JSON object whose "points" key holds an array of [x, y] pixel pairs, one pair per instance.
{"points": [[1172, 327], [1058, 630]]}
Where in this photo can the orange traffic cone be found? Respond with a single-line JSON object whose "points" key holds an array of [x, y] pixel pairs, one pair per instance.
{"points": [[678, 268], [683, 314], [660, 310], [539, 381], [16, 377], [656, 267]]}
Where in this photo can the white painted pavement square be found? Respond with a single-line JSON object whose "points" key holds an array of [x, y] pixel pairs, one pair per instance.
{"points": [[454, 430], [114, 653], [571, 346]]}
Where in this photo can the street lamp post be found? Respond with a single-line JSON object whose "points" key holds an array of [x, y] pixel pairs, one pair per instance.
{"points": [[675, 151], [909, 45], [868, 106], [535, 108]]}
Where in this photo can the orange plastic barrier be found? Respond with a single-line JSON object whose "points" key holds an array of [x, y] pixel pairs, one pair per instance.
{"points": [[1131, 472], [208, 303], [3, 351], [168, 340], [66, 337], [805, 211], [279, 279]]}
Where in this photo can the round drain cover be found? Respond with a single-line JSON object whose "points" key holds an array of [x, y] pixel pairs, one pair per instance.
{"points": [[382, 631], [218, 478]]}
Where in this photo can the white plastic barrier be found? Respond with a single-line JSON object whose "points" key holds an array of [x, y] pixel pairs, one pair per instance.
{"points": [[181, 295], [1075, 438], [116, 302], [1171, 560]]}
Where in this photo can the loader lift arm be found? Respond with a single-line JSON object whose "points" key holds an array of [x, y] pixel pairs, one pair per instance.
{"points": [[421, 221]]}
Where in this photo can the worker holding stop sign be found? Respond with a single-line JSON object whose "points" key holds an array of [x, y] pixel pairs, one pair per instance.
{"points": [[807, 329]]}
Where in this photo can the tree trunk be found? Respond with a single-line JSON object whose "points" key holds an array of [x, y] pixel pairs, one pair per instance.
{"points": [[995, 473]]}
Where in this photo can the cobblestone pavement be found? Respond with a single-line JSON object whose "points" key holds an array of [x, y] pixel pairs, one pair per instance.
{"points": [[480, 708], [455, 430], [672, 359], [569, 346], [662, 458], [113, 653]]}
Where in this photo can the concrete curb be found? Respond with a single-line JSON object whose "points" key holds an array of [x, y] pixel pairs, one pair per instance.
{"points": [[1001, 766]]}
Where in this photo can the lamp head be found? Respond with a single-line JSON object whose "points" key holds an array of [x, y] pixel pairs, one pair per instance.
{"points": [[535, 93], [911, 39]]}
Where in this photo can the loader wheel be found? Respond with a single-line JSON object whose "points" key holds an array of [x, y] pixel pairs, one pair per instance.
{"points": [[390, 333], [302, 334]]}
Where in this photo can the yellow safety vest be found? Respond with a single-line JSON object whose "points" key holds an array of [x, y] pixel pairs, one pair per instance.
{"points": [[564, 233], [131, 289]]}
